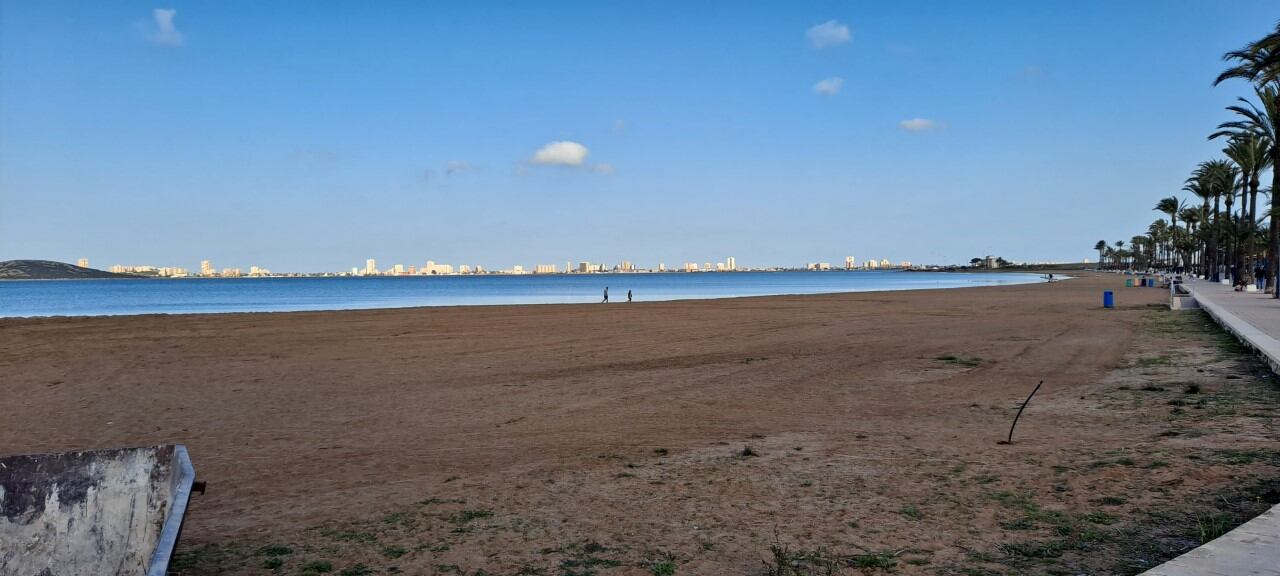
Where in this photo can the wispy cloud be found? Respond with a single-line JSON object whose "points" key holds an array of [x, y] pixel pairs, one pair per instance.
{"points": [[455, 166], [918, 125], [165, 33], [619, 126], [561, 153], [603, 168], [828, 34], [829, 86]]}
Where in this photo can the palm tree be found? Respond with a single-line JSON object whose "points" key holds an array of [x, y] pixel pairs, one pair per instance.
{"points": [[1191, 218], [1171, 206], [1200, 185], [1259, 63], [1216, 179], [1101, 247]]}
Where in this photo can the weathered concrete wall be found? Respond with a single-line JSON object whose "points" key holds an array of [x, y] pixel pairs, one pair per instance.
{"points": [[81, 513]]}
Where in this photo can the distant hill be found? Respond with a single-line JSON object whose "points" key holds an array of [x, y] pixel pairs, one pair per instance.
{"points": [[50, 270]]}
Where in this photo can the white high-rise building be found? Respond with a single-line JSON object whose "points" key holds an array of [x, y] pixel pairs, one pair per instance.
{"points": [[730, 263], [206, 268], [370, 267], [850, 262]]}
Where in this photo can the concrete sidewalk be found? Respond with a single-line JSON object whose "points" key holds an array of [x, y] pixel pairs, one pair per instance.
{"points": [[1253, 547]]}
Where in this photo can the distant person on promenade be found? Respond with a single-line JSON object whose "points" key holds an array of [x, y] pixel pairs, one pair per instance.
{"points": [[628, 295], [1259, 277], [606, 296]]}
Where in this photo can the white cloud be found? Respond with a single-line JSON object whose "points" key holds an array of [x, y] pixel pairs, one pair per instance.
{"points": [[561, 153], [166, 34], [827, 34], [918, 125], [603, 168], [829, 87]]}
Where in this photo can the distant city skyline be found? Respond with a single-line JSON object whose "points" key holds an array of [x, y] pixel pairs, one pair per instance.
{"points": [[371, 267], [520, 134]]}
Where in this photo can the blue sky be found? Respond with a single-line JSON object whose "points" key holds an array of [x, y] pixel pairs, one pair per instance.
{"points": [[307, 136]]}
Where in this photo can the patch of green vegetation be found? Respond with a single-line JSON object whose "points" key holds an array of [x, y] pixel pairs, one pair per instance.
{"points": [[1191, 389], [1213, 526], [1035, 548], [1229, 345], [664, 564], [661, 451], [209, 558], [1100, 518], [394, 551], [357, 570], [468, 515], [1122, 461], [787, 562], [273, 563], [960, 360], [350, 535], [1152, 388], [394, 518], [876, 560], [274, 550], [748, 452], [1011, 500], [1245, 456], [975, 571], [751, 359], [317, 567], [911, 511], [1111, 500], [584, 560]]}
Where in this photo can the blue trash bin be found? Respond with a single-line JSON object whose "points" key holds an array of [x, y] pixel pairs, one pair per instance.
{"points": [[1108, 299]]}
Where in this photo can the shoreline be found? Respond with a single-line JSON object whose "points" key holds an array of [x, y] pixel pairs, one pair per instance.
{"points": [[684, 298]]}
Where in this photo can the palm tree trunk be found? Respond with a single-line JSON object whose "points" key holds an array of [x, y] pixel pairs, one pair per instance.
{"points": [[1254, 257], [1214, 255], [1273, 242]]}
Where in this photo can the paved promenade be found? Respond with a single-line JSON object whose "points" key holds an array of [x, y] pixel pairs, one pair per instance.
{"points": [[1253, 547]]}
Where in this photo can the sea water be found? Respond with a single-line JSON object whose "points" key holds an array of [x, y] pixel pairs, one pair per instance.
{"points": [[206, 295]]}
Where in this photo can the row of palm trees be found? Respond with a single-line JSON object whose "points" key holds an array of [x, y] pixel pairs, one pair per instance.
{"points": [[1220, 233]]}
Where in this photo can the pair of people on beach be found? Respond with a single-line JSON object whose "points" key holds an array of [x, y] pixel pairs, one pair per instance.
{"points": [[606, 296]]}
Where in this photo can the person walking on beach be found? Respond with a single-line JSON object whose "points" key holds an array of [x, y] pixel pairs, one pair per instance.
{"points": [[628, 295], [606, 296]]}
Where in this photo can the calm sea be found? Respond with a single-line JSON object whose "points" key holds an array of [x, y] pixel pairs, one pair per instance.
{"points": [[150, 296]]}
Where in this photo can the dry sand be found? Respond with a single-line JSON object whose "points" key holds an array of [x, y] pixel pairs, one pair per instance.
{"points": [[571, 439]]}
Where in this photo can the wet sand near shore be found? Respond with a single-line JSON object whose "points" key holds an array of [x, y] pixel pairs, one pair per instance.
{"points": [[619, 438]]}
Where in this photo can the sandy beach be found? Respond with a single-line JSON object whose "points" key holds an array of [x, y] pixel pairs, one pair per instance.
{"points": [[539, 439]]}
